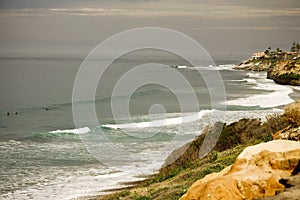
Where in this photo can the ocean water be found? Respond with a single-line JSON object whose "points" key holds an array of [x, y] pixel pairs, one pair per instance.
{"points": [[45, 156]]}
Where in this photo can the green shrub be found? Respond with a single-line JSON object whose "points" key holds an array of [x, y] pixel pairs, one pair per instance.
{"points": [[290, 75], [143, 198], [213, 156]]}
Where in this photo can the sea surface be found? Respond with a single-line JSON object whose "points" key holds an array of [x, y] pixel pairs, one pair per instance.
{"points": [[44, 155]]}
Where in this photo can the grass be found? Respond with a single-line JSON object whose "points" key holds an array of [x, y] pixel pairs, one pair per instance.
{"points": [[173, 180]]}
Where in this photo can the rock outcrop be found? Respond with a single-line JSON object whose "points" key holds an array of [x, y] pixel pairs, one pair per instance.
{"points": [[292, 191], [255, 173], [254, 65], [288, 133], [285, 72]]}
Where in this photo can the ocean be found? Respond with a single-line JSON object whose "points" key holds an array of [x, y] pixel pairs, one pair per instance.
{"points": [[45, 156]]}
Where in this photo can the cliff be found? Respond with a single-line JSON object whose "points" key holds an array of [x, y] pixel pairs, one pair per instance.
{"points": [[285, 72], [262, 170], [282, 71], [256, 173]]}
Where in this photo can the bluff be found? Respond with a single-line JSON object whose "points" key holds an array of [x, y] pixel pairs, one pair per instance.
{"points": [[282, 71], [285, 72], [256, 173], [261, 170]]}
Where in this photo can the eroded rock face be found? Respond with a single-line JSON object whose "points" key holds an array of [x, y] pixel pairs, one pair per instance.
{"points": [[288, 133], [285, 72], [255, 173], [292, 191]]}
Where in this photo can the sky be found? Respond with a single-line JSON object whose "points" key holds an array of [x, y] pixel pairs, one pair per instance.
{"points": [[44, 28]]}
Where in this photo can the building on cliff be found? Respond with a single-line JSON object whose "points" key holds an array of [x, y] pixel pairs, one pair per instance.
{"points": [[258, 55]]}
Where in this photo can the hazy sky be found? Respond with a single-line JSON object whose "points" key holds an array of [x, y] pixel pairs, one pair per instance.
{"points": [[74, 27]]}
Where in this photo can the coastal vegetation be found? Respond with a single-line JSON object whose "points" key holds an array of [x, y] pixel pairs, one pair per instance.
{"points": [[173, 180]]}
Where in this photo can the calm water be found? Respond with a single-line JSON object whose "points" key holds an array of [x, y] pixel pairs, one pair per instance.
{"points": [[42, 154]]}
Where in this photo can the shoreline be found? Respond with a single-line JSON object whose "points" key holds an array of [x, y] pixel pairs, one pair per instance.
{"points": [[283, 71], [132, 185], [125, 186], [224, 155]]}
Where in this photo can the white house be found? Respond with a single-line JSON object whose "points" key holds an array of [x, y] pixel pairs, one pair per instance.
{"points": [[258, 55]]}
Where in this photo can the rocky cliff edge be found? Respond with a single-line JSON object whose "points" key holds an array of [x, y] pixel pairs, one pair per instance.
{"points": [[256, 173]]}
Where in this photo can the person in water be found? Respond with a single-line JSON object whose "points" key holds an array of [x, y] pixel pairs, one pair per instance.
{"points": [[8, 113]]}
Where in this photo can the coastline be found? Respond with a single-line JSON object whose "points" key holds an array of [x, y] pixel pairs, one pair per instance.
{"points": [[139, 187], [283, 71], [218, 159], [115, 99]]}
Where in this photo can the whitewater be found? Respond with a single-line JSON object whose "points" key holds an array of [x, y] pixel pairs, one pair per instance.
{"points": [[43, 156]]}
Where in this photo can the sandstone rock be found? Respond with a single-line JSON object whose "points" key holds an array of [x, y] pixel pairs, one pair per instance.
{"points": [[292, 191], [288, 133], [255, 173], [285, 72]]}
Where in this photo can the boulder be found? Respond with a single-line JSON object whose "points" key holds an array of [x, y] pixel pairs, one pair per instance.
{"points": [[255, 173], [292, 191]]}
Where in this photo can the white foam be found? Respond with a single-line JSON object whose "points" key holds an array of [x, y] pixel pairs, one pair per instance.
{"points": [[278, 96], [226, 67], [161, 122], [83, 130], [257, 75], [65, 183], [73, 185], [250, 80], [214, 68]]}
